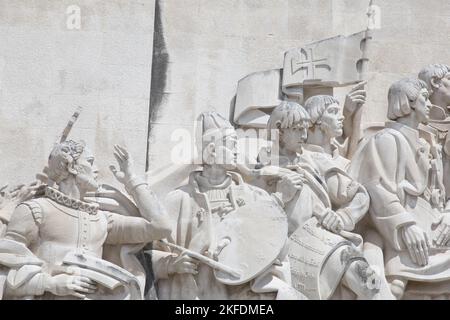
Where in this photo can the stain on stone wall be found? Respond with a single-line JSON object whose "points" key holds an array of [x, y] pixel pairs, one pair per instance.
{"points": [[160, 62]]}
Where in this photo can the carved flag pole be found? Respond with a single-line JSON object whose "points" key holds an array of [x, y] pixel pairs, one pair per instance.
{"points": [[363, 77], [70, 124], [366, 44]]}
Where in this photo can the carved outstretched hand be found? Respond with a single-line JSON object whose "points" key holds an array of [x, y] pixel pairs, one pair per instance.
{"points": [[355, 99], [126, 165], [10, 199], [443, 230], [417, 242]]}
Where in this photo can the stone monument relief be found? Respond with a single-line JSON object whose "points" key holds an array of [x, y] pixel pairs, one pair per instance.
{"points": [[287, 187]]}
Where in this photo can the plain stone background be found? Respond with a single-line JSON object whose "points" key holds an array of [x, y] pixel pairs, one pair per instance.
{"points": [[200, 49], [47, 70]]}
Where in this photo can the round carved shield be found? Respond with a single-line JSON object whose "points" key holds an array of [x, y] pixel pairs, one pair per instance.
{"points": [[257, 232]]}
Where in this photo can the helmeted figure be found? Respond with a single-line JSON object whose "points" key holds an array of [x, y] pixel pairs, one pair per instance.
{"points": [[403, 175], [218, 215], [322, 211], [56, 243]]}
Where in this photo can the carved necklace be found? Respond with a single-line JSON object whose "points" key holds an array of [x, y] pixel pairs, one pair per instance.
{"points": [[65, 200]]}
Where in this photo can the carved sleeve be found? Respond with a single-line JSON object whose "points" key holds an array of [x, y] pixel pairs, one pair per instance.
{"points": [[24, 224], [25, 278], [149, 206], [162, 255], [348, 197], [132, 230], [28, 281]]}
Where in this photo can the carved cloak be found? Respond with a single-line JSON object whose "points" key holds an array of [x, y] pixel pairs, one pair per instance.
{"points": [[395, 167]]}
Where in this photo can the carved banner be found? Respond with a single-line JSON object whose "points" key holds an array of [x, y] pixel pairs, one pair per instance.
{"points": [[321, 65], [331, 62]]}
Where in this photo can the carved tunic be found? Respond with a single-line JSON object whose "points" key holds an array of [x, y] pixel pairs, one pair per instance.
{"points": [[75, 230]]}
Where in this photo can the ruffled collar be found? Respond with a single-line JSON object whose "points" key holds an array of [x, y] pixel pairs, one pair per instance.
{"points": [[65, 200]]}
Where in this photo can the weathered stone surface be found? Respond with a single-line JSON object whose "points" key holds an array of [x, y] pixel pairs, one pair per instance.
{"points": [[47, 70], [143, 70]]}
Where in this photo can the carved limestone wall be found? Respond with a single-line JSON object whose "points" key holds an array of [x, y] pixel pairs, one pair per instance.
{"points": [[49, 66]]}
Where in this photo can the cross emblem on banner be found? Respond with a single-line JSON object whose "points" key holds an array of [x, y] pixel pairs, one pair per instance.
{"points": [[308, 64]]}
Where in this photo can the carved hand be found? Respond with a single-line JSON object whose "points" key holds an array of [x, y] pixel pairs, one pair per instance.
{"points": [[70, 285], [417, 242], [333, 222], [289, 185], [9, 199], [443, 231], [125, 162], [182, 264], [355, 99]]}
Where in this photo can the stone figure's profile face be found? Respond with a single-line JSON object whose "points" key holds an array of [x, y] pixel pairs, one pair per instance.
{"points": [[422, 106], [332, 121], [223, 153], [292, 138], [86, 177]]}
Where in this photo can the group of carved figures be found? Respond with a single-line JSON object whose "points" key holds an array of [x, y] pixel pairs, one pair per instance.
{"points": [[304, 223]]}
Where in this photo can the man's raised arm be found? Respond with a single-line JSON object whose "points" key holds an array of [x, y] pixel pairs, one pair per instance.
{"points": [[157, 221]]}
